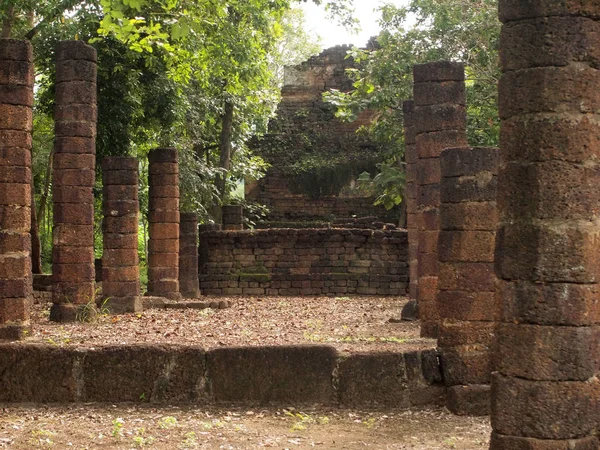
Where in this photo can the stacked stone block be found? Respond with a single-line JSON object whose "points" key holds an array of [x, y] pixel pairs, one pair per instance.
{"points": [[120, 262], [232, 217], [466, 302], [163, 219], [440, 122], [73, 180], [410, 310], [546, 391], [16, 103], [188, 255]]}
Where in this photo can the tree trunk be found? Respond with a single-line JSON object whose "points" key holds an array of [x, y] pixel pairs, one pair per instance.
{"points": [[8, 22], [225, 155], [36, 247], [40, 216]]}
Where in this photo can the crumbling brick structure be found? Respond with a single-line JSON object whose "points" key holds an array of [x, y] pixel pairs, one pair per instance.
{"points": [[73, 180], [120, 261], [546, 392], [315, 158], [163, 218], [16, 103], [232, 217], [467, 304], [304, 262], [188, 255], [410, 197], [440, 122]]}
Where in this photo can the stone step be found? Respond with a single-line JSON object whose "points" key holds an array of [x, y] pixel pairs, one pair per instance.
{"points": [[285, 375]]}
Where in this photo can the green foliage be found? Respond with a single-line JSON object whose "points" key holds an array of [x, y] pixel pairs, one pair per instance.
{"points": [[388, 183], [165, 71], [465, 31]]}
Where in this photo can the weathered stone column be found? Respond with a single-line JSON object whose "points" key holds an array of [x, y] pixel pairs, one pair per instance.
{"points": [[467, 305], [188, 255], [73, 180], [163, 218], [410, 311], [120, 262], [440, 122], [546, 391], [232, 217], [16, 102]]}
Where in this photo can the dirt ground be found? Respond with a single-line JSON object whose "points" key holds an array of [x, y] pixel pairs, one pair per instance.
{"points": [[350, 324], [126, 427]]}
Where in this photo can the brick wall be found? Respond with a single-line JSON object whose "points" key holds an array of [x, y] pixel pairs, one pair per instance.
{"points": [[274, 191], [315, 158], [304, 262]]}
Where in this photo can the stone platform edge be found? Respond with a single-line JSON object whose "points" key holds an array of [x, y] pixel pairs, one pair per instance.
{"points": [[169, 374]]}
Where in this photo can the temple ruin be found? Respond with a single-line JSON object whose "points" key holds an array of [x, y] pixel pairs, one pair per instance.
{"points": [[502, 245]]}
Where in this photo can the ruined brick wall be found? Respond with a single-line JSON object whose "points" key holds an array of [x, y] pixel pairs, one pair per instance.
{"points": [[304, 262], [305, 132]]}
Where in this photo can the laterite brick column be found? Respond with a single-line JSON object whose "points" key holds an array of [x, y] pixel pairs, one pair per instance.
{"points": [[73, 180], [188, 255], [120, 261], [16, 102], [546, 391], [410, 311], [466, 301], [440, 122], [163, 219], [232, 217]]}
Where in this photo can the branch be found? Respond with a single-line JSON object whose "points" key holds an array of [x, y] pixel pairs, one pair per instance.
{"points": [[57, 12]]}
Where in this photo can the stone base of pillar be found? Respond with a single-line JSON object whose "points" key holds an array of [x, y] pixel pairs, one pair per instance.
{"points": [[410, 312], [430, 329], [501, 442], [472, 400], [65, 312], [122, 305], [14, 332], [190, 293], [175, 296]]}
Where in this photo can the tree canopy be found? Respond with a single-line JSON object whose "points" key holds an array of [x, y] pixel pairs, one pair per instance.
{"points": [[424, 31], [201, 75]]}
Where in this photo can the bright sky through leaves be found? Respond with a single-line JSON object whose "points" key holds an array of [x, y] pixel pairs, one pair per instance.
{"points": [[332, 34]]}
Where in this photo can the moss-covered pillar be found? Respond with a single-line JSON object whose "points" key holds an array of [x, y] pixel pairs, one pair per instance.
{"points": [[440, 122], [467, 305], [120, 261], [74, 176], [163, 219], [188, 255], [546, 391], [16, 103], [410, 311]]}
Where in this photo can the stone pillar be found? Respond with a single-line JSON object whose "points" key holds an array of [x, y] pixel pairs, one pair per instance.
{"points": [[16, 102], [467, 305], [120, 261], [73, 181], [188, 255], [440, 122], [232, 217], [410, 311], [163, 219], [546, 392]]}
